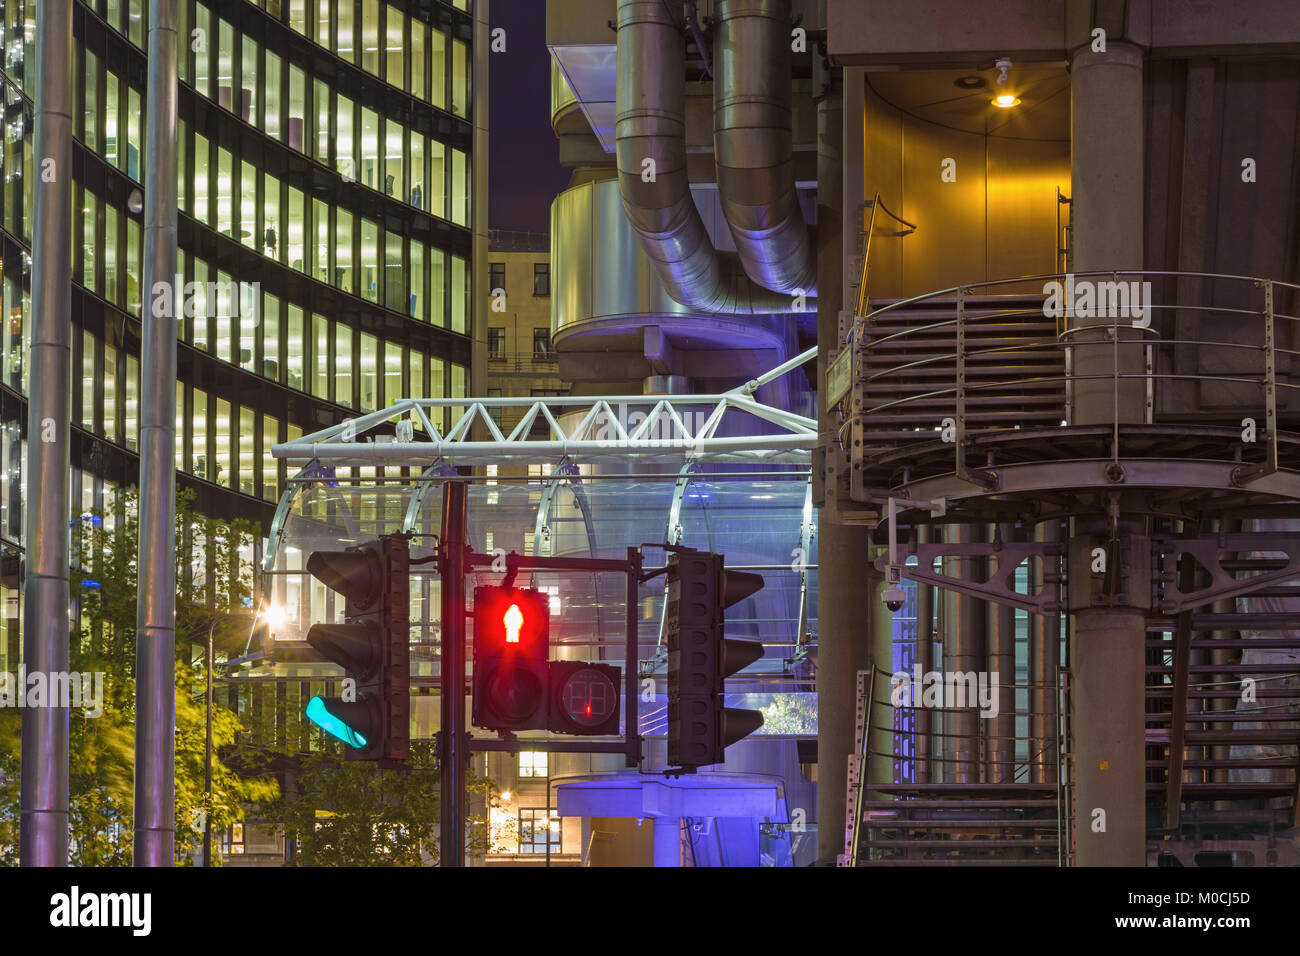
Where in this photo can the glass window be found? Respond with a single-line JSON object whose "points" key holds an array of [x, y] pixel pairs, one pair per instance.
{"points": [[415, 368], [345, 147], [298, 16], [346, 46], [369, 371], [459, 78], [369, 260], [370, 158], [133, 274], [321, 221], [185, 41], [134, 141], [343, 365], [419, 62], [419, 195], [110, 255], [271, 337], [89, 243], [109, 401], [248, 205], [88, 379], [131, 407], [417, 304], [271, 96], [270, 465], [223, 443], [197, 294], [393, 179], [321, 102], [395, 27], [183, 183], [202, 210], [199, 45], [532, 763], [541, 343], [247, 452], [225, 193], [227, 313], [296, 231], [459, 188], [541, 278], [249, 68], [226, 66], [199, 441], [135, 22], [343, 250], [437, 179], [110, 117], [459, 295], [437, 69], [394, 287], [392, 373], [90, 102], [438, 287], [496, 276], [295, 351], [249, 320], [297, 107], [320, 381], [272, 228], [181, 459], [537, 831], [370, 36], [496, 343]]}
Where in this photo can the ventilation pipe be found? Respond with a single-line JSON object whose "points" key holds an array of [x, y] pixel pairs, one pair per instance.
{"points": [[653, 181], [753, 143]]}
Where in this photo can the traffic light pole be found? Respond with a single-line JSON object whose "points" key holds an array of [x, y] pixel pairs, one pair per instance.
{"points": [[452, 754]]}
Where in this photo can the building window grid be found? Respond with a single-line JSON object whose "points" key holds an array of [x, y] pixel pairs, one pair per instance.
{"points": [[538, 829]]}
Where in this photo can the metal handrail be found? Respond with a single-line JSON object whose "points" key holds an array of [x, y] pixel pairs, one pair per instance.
{"points": [[875, 204]]}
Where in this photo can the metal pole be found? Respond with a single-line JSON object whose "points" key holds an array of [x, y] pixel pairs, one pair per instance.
{"points": [[155, 689], [207, 762], [43, 827], [452, 751]]}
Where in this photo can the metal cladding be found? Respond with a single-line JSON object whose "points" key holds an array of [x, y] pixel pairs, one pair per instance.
{"points": [[653, 180], [753, 145]]}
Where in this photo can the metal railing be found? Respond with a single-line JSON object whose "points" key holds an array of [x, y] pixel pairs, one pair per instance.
{"points": [[1227, 340]]}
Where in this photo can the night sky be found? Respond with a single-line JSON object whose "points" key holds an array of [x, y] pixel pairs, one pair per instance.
{"points": [[523, 155]]}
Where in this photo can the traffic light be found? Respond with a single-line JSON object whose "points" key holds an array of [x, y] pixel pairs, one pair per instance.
{"points": [[373, 717], [511, 643], [584, 698], [700, 658]]}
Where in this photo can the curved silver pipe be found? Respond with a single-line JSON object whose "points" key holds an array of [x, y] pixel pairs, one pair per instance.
{"points": [[651, 126], [753, 143]]}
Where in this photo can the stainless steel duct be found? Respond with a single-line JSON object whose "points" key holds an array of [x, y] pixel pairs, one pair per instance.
{"points": [[653, 181], [753, 144]]}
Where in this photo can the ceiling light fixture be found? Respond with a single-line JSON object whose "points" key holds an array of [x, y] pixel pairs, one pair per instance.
{"points": [[1006, 100]]}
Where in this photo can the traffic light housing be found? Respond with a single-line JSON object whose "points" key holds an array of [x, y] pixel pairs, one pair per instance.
{"points": [[700, 658], [373, 716], [511, 643], [584, 698]]}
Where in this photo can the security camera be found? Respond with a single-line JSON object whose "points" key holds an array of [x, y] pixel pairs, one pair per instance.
{"points": [[894, 598]]}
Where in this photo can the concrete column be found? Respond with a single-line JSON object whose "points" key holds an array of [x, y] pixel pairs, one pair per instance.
{"points": [[1106, 217], [843, 629], [1107, 642], [1107, 699], [668, 841]]}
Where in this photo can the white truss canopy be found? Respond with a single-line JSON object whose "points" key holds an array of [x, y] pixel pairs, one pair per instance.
{"points": [[730, 426]]}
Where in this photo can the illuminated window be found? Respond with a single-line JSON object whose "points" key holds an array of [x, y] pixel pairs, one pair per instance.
{"points": [[537, 833], [532, 763]]}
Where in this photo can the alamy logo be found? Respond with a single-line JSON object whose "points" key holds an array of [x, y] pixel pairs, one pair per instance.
{"points": [[180, 299], [83, 689], [651, 429], [74, 908], [946, 689], [1089, 299]]}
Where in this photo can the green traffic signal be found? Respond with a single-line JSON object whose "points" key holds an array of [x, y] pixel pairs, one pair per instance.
{"points": [[330, 717]]}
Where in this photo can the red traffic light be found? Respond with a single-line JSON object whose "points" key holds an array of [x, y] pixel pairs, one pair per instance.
{"points": [[511, 622]]}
